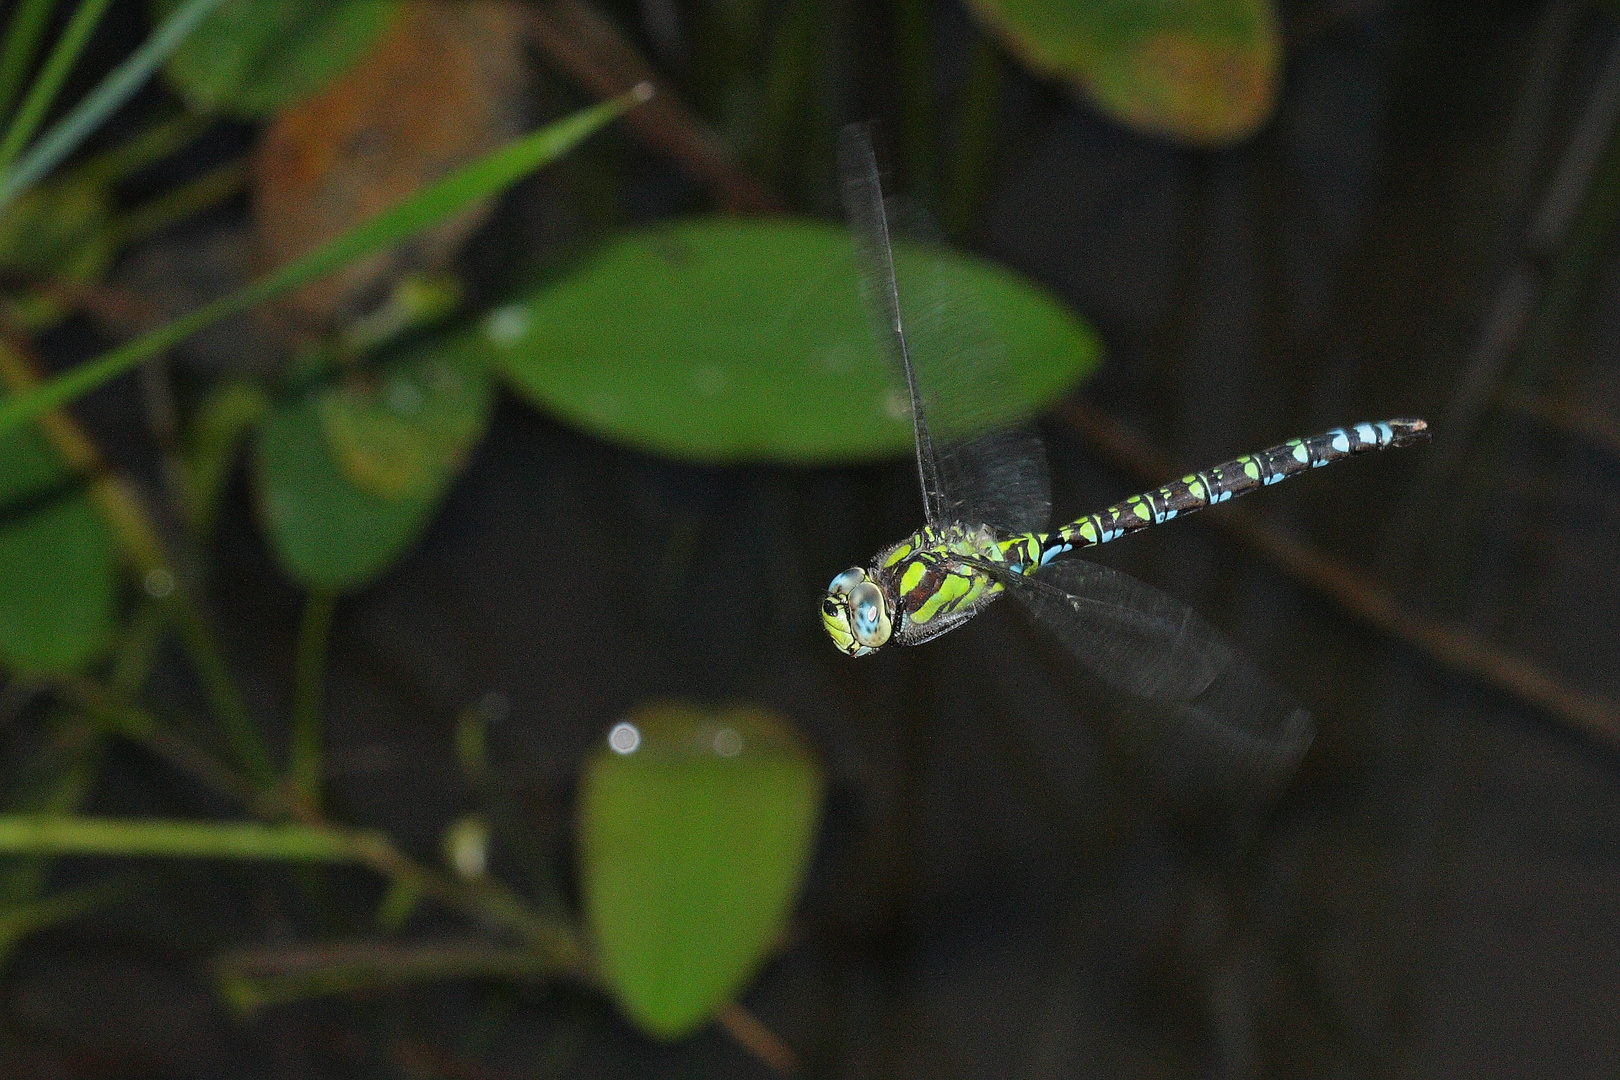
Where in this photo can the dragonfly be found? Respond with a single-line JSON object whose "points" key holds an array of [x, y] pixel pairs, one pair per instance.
{"points": [[987, 506]]}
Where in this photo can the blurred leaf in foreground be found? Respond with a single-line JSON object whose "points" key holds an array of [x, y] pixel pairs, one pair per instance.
{"points": [[58, 578], [1204, 72], [723, 339], [442, 87], [349, 476], [695, 831], [252, 58]]}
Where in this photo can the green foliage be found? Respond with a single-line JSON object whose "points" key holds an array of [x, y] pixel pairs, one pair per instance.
{"points": [[57, 573], [348, 476], [492, 173], [693, 843], [59, 231], [722, 339], [252, 58], [1204, 72]]}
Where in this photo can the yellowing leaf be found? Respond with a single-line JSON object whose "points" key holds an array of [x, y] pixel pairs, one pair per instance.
{"points": [[405, 434], [1204, 72]]}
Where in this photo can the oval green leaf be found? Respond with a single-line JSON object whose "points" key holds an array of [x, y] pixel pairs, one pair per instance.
{"points": [[1204, 72], [58, 574], [695, 831], [251, 58], [348, 476], [724, 339]]}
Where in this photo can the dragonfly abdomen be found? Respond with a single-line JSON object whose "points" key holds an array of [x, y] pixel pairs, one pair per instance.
{"points": [[1229, 480]]}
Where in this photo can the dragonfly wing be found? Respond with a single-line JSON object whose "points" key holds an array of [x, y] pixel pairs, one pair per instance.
{"points": [[1211, 714], [978, 458]]}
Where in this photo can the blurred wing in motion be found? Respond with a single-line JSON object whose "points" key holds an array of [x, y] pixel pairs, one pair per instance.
{"points": [[1211, 718], [978, 458]]}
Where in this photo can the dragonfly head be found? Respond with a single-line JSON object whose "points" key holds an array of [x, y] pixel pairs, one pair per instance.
{"points": [[855, 612]]}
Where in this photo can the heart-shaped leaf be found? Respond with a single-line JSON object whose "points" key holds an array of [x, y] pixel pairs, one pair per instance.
{"points": [[348, 476], [251, 58], [723, 339], [58, 577], [1204, 72], [695, 830]]}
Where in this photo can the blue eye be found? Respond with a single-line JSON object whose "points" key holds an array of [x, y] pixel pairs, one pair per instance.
{"points": [[868, 614], [845, 582]]}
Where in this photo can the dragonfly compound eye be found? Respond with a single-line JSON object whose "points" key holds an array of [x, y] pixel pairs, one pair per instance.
{"points": [[843, 583], [869, 613]]}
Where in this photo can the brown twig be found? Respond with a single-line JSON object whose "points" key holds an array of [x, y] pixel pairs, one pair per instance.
{"points": [[132, 527], [1570, 415], [1452, 644], [757, 1039], [585, 45]]}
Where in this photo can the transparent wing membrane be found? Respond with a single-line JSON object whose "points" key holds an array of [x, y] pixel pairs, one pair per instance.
{"points": [[975, 467], [1209, 716]]}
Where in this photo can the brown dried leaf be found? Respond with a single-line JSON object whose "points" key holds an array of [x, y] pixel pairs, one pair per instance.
{"points": [[444, 85]]}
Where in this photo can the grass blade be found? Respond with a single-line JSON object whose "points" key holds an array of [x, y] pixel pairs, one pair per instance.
{"points": [[42, 94], [27, 26], [490, 174], [118, 87]]}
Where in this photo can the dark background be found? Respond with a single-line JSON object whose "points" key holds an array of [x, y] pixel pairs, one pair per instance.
{"points": [[995, 892]]}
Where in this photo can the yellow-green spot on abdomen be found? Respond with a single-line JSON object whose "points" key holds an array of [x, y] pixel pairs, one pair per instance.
{"points": [[1251, 467]]}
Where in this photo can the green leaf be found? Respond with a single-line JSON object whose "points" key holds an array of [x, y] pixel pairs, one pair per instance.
{"points": [[252, 58], [339, 508], [1206, 72], [725, 339], [58, 575], [695, 830]]}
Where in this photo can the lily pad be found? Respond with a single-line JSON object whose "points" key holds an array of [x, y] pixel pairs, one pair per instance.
{"points": [[349, 476], [252, 58], [58, 574], [695, 830], [721, 339], [1205, 72]]}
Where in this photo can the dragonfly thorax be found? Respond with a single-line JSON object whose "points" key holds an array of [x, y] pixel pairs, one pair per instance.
{"points": [[915, 590]]}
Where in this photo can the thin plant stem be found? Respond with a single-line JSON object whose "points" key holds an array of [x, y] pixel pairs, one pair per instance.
{"points": [[152, 143], [252, 979], [119, 505], [28, 21], [916, 97], [788, 77], [975, 140], [309, 678], [241, 733], [488, 175], [49, 834], [42, 94], [180, 203], [118, 87]]}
